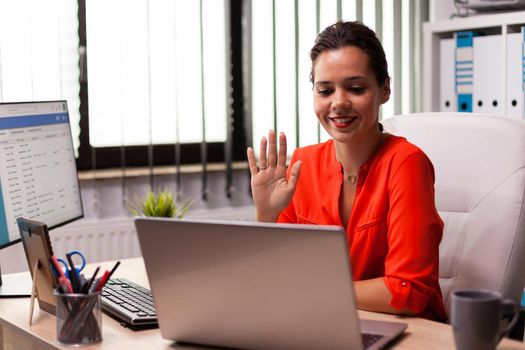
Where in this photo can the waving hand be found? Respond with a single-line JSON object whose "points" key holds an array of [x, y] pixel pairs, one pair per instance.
{"points": [[271, 190]]}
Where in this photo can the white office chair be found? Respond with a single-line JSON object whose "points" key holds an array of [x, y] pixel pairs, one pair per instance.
{"points": [[479, 164]]}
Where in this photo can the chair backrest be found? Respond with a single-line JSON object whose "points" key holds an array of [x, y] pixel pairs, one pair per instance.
{"points": [[479, 163]]}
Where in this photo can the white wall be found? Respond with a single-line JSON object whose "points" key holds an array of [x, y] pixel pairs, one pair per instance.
{"points": [[441, 9]]}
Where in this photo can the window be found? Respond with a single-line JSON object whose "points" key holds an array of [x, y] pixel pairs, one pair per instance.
{"points": [[151, 79], [39, 54], [174, 81], [159, 83]]}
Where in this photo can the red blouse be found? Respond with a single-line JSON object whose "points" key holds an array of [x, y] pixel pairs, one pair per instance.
{"points": [[394, 229]]}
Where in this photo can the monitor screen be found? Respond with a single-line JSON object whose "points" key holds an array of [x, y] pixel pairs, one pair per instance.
{"points": [[38, 174]]}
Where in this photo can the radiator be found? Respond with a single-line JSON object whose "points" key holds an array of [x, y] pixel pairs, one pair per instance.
{"points": [[99, 240], [107, 239]]}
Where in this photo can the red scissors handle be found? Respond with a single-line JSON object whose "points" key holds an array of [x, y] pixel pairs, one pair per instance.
{"points": [[62, 279]]}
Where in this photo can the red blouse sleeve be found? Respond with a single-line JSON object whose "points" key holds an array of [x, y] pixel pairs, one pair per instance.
{"points": [[414, 233]]}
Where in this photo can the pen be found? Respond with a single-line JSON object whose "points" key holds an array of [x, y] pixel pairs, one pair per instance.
{"points": [[113, 269], [102, 281], [87, 285], [105, 277], [73, 276]]}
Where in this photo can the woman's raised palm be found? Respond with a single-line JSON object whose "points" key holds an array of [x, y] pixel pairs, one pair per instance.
{"points": [[271, 190]]}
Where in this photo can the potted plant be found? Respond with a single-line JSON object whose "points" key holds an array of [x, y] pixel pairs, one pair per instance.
{"points": [[163, 203]]}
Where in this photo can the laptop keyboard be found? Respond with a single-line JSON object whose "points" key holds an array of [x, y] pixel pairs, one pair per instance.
{"points": [[129, 302], [370, 339]]}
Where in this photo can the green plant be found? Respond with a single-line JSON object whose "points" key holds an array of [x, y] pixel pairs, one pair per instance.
{"points": [[163, 203]]}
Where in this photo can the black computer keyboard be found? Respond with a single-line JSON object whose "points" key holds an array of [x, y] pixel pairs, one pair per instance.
{"points": [[370, 339], [129, 302]]}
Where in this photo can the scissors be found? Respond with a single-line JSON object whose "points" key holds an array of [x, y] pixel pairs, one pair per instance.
{"points": [[67, 268], [62, 280]]}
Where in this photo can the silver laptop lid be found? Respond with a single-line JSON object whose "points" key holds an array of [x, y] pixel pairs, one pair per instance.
{"points": [[251, 285]]}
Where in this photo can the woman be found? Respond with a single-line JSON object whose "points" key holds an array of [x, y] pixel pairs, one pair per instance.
{"points": [[378, 186]]}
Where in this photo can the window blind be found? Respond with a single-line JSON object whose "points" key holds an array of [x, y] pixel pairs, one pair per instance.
{"points": [[283, 32], [39, 54]]}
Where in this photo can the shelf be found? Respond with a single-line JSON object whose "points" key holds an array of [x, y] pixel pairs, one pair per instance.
{"points": [[433, 32]]}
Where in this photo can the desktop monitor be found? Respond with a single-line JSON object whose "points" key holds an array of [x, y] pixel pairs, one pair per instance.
{"points": [[38, 174]]}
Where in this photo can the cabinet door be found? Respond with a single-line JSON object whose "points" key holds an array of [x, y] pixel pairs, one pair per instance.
{"points": [[514, 75], [488, 75], [447, 93]]}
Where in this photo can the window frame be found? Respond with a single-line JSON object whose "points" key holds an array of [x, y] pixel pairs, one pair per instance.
{"points": [[169, 154]]}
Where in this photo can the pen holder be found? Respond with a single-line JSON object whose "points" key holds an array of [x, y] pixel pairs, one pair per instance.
{"points": [[79, 320]]}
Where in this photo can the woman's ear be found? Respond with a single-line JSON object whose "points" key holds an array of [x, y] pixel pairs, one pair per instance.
{"points": [[386, 91]]}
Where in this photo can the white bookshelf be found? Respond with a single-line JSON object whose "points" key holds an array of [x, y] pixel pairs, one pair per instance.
{"points": [[433, 32]]}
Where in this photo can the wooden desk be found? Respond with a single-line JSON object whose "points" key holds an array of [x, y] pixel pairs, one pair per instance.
{"points": [[15, 333]]}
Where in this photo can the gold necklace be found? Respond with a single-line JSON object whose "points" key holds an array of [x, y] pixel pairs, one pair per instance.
{"points": [[350, 178]]}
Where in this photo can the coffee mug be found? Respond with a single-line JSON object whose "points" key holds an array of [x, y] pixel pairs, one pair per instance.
{"points": [[476, 319]]}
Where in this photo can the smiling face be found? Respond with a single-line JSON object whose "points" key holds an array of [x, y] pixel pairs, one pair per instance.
{"points": [[347, 95]]}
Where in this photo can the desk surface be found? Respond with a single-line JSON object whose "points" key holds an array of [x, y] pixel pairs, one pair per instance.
{"points": [[15, 333]]}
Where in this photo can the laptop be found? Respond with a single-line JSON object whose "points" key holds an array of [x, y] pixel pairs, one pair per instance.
{"points": [[251, 285]]}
